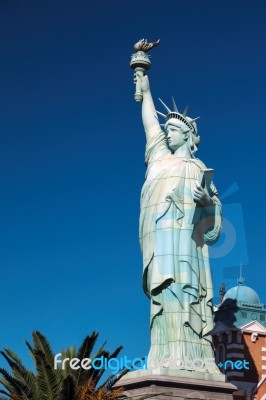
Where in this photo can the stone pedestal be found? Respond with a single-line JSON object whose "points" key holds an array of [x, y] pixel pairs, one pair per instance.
{"points": [[182, 387]]}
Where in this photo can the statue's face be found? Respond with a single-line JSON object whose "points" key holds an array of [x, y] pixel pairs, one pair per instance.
{"points": [[176, 133]]}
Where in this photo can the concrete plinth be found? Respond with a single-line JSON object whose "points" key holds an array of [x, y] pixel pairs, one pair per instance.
{"points": [[164, 387]]}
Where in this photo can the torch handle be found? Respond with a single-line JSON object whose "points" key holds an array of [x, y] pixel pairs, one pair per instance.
{"points": [[138, 93]]}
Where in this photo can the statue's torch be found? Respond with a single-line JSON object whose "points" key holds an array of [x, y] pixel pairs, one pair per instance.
{"points": [[140, 61]]}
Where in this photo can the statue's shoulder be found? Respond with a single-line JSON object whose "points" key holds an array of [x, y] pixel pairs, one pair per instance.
{"points": [[198, 163], [156, 147]]}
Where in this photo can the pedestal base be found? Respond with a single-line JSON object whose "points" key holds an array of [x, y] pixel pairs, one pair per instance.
{"points": [[165, 387]]}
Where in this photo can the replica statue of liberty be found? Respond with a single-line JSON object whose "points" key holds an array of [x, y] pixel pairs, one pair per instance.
{"points": [[180, 217]]}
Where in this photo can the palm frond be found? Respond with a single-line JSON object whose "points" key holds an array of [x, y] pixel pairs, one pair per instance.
{"points": [[42, 344], [67, 390], [13, 355], [24, 376], [100, 351], [96, 374], [87, 345], [84, 351], [116, 352], [5, 393], [9, 381], [14, 386], [9, 360], [31, 350], [112, 379], [28, 380], [7, 385], [70, 353], [47, 378]]}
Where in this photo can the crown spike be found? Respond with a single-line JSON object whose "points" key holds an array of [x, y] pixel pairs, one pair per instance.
{"points": [[165, 106], [161, 114], [185, 111], [193, 120], [174, 105]]}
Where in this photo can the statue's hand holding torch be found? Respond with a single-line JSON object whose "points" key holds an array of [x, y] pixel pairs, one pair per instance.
{"points": [[142, 83], [140, 62]]}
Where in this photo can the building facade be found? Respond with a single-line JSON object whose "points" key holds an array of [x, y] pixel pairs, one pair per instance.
{"points": [[239, 338]]}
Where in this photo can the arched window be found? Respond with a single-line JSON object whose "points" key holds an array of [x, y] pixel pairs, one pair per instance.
{"points": [[220, 356]]}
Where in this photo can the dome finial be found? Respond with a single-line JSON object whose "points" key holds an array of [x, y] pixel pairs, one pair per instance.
{"points": [[241, 280]]}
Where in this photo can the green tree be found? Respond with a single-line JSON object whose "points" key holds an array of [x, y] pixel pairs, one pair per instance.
{"points": [[48, 383]]}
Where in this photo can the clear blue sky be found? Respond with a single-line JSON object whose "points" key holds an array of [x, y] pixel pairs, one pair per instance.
{"points": [[72, 154]]}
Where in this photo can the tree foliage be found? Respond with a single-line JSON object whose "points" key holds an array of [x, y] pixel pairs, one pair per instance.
{"points": [[48, 383]]}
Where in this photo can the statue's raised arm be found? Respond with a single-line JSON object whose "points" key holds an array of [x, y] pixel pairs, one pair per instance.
{"points": [[149, 118], [140, 62]]}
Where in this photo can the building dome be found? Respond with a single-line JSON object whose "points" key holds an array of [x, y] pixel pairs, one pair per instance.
{"points": [[242, 293]]}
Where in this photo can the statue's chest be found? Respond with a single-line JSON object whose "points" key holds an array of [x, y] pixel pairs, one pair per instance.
{"points": [[169, 168]]}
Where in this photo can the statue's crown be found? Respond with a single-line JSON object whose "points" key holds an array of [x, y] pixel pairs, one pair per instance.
{"points": [[181, 116]]}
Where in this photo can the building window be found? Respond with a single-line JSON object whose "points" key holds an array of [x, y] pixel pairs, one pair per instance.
{"points": [[239, 337], [220, 356], [262, 317], [244, 314]]}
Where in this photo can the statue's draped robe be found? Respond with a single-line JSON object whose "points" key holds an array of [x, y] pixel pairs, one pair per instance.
{"points": [[174, 237]]}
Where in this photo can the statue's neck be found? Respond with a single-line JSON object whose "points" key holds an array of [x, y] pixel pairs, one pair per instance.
{"points": [[183, 152]]}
